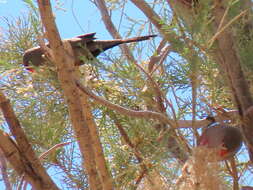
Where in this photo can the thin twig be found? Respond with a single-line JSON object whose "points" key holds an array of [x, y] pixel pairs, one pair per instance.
{"points": [[32, 167], [223, 18], [152, 114], [165, 51], [218, 33], [137, 153], [157, 56], [112, 29], [45, 154], [234, 174]]}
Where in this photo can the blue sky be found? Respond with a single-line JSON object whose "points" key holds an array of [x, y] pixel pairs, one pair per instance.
{"points": [[85, 14], [84, 18], [75, 17]]}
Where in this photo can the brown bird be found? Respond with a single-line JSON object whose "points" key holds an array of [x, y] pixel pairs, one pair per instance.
{"points": [[84, 47], [228, 138]]}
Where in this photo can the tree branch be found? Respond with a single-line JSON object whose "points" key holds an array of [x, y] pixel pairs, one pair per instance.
{"points": [[155, 115], [65, 64], [122, 110], [112, 29], [227, 57], [4, 173], [32, 167]]}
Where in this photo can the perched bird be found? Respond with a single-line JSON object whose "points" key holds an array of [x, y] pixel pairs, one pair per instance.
{"points": [[227, 139], [84, 47]]}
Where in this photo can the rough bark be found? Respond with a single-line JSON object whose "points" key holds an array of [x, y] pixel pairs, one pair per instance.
{"points": [[155, 19], [105, 177], [65, 64], [229, 61], [226, 56], [3, 166]]}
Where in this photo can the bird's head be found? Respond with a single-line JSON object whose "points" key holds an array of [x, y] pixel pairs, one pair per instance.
{"points": [[33, 57]]}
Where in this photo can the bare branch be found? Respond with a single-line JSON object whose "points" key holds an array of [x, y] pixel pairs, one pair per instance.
{"points": [[234, 174], [112, 29], [4, 173], [99, 157], [65, 64], [154, 59], [221, 30], [159, 59], [227, 57], [32, 165], [45, 154], [122, 110], [11, 153], [154, 115]]}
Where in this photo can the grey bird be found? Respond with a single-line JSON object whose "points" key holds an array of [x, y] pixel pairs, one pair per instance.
{"points": [[228, 139], [85, 47]]}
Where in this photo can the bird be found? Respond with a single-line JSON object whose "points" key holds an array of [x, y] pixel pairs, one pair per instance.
{"points": [[85, 47], [226, 138]]}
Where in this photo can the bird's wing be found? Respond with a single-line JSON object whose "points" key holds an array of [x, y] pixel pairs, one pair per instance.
{"points": [[102, 45], [87, 36]]}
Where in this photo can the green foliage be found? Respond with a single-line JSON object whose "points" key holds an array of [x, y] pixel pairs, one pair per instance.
{"points": [[36, 98], [39, 104]]}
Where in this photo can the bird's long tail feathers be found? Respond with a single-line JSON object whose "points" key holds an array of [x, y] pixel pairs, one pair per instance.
{"points": [[137, 39], [107, 44]]}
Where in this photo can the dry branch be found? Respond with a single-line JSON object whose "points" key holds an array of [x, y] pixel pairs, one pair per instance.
{"points": [[137, 153], [155, 115], [21, 155], [3, 166], [159, 53], [234, 174], [154, 18], [106, 179], [122, 110], [11, 153], [52, 149], [227, 57], [65, 64], [112, 29]]}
